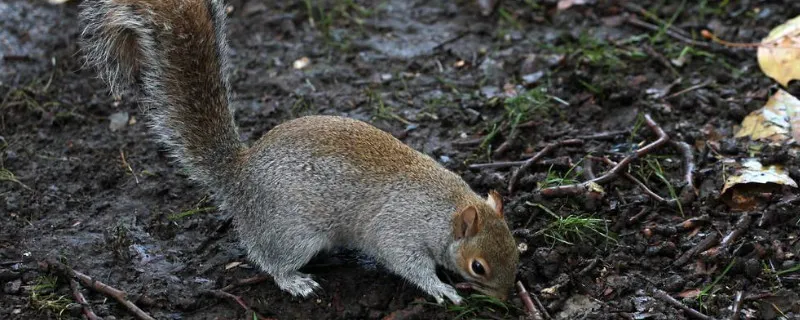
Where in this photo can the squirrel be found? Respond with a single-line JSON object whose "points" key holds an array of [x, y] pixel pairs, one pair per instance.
{"points": [[309, 184]]}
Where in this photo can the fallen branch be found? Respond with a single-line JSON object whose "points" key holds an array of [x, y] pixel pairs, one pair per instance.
{"points": [[530, 310], [76, 293], [580, 188], [528, 163], [94, 284], [663, 296]]}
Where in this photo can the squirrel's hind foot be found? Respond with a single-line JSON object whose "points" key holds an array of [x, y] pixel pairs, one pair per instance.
{"points": [[298, 284]]}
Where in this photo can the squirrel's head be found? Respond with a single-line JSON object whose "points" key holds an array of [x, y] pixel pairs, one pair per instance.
{"points": [[485, 253]]}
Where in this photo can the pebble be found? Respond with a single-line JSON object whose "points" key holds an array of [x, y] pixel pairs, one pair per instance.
{"points": [[12, 287], [118, 121]]}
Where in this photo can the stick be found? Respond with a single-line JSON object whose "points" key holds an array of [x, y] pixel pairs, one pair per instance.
{"points": [[119, 295], [588, 168], [239, 301], [638, 216], [737, 306], [530, 310], [580, 188], [669, 31], [528, 163], [604, 135], [641, 185], [704, 245], [663, 296], [741, 226], [506, 164], [247, 281], [688, 168], [87, 309], [692, 88]]}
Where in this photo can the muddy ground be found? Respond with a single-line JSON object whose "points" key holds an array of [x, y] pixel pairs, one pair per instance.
{"points": [[91, 188]]}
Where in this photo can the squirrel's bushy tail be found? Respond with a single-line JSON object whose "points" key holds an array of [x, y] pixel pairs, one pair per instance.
{"points": [[173, 52]]}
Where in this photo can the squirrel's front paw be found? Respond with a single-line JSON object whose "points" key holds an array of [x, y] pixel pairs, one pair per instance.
{"points": [[297, 284], [449, 292]]}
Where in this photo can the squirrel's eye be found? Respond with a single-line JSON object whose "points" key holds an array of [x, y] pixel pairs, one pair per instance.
{"points": [[477, 267]]}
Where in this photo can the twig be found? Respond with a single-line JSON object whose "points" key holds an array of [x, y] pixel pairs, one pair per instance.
{"points": [[740, 228], [589, 267], [704, 245], [638, 216], [663, 296], [528, 163], [686, 225], [563, 161], [604, 135], [128, 166], [736, 308], [467, 143], [688, 169], [668, 31], [240, 301], [641, 185], [580, 188], [660, 57], [247, 281], [87, 309], [119, 295], [530, 310], [588, 168], [692, 88]]}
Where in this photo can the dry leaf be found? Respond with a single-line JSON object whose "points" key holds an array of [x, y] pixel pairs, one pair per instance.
{"points": [[771, 122], [752, 171], [232, 265], [779, 54], [691, 293], [752, 182], [565, 4]]}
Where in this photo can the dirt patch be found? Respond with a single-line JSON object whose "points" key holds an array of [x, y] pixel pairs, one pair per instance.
{"points": [[89, 186]]}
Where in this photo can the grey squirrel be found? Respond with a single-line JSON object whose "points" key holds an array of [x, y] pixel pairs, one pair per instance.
{"points": [[307, 185]]}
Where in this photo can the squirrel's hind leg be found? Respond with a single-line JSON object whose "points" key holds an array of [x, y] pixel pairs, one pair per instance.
{"points": [[296, 283], [282, 262]]}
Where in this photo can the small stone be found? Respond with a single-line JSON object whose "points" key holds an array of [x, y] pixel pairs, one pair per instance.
{"points": [[118, 121], [12, 287], [301, 63], [532, 78]]}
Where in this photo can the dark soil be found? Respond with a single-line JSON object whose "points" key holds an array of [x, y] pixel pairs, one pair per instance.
{"points": [[438, 74]]}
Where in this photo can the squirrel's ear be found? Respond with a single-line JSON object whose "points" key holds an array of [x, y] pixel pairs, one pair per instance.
{"points": [[467, 223], [495, 201]]}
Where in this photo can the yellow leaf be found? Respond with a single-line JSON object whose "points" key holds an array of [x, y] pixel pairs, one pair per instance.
{"points": [[752, 171], [771, 122], [779, 54]]}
